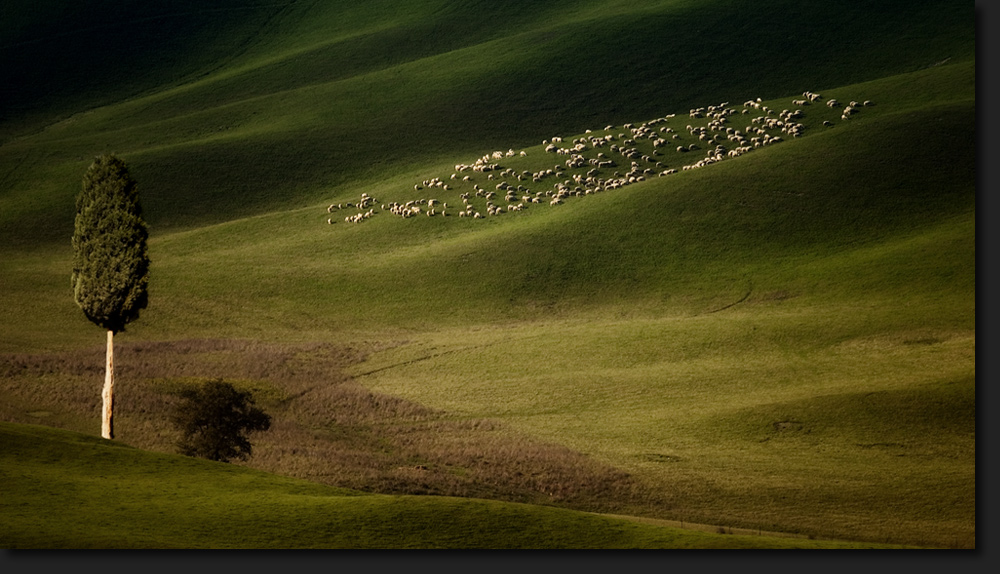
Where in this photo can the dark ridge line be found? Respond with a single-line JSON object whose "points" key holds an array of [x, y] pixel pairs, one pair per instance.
{"points": [[733, 304], [417, 360]]}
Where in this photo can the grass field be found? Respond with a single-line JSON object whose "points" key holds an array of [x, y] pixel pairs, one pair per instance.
{"points": [[781, 341], [98, 491]]}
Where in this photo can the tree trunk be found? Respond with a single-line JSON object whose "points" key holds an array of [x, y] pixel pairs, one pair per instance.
{"points": [[109, 389]]}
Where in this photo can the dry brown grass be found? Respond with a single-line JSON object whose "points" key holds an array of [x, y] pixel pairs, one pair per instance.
{"points": [[325, 427]]}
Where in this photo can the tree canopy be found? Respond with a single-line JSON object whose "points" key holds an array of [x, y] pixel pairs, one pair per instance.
{"points": [[214, 419], [111, 261]]}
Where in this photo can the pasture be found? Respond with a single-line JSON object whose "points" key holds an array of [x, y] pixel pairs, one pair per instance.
{"points": [[780, 340]]}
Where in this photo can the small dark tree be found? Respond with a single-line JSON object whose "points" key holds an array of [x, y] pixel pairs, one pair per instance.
{"points": [[110, 259], [214, 420]]}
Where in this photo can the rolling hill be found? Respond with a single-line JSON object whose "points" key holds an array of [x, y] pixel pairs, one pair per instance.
{"points": [[123, 498], [779, 340]]}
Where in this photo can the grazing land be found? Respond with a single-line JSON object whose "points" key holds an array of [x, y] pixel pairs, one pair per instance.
{"points": [[100, 490], [630, 317]]}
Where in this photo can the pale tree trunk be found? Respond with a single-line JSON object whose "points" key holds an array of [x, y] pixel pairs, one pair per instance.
{"points": [[109, 389]]}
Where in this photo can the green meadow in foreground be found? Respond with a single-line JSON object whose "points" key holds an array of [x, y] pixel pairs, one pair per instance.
{"points": [[782, 341], [105, 495]]}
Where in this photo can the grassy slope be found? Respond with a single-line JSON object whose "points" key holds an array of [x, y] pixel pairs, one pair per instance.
{"points": [[104, 495], [858, 302], [694, 242], [312, 106], [861, 290]]}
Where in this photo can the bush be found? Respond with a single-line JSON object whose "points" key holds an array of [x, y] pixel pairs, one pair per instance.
{"points": [[214, 420]]}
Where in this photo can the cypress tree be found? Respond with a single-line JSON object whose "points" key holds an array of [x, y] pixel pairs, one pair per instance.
{"points": [[111, 261]]}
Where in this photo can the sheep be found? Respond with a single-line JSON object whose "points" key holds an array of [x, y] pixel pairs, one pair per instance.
{"points": [[715, 132]]}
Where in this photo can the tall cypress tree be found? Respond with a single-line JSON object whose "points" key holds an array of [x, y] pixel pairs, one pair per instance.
{"points": [[111, 261]]}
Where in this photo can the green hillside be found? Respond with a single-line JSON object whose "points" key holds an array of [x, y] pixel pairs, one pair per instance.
{"points": [[780, 340], [101, 495], [325, 94]]}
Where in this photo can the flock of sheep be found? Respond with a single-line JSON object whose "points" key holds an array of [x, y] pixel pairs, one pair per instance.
{"points": [[599, 161]]}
